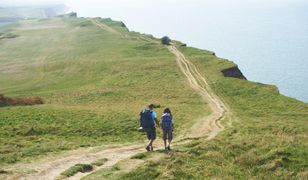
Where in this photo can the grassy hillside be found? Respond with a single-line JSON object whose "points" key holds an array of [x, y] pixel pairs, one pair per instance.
{"points": [[267, 139], [94, 83]]}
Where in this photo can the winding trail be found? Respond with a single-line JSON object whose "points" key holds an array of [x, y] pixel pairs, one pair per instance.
{"points": [[209, 125], [104, 26], [50, 168]]}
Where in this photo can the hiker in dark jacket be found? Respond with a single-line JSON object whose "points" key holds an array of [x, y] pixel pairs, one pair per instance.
{"points": [[166, 123], [147, 122]]}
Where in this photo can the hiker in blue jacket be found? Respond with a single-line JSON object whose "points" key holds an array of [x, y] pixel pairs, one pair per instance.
{"points": [[147, 122], [166, 123]]}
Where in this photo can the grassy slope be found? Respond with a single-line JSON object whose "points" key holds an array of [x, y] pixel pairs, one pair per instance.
{"points": [[267, 140], [94, 83]]}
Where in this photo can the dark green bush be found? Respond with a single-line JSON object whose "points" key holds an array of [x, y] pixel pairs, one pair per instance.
{"points": [[166, 40]]}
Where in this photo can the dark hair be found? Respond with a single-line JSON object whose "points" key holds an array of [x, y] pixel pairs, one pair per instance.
{"points": [[167, 110], [151, 106]]}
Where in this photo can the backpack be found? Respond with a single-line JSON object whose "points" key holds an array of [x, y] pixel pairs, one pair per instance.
{"points": [[166, 122], [146, 120]]}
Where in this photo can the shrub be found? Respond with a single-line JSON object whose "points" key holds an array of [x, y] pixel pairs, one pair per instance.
{"points": [[166, 40], [7, 101]]}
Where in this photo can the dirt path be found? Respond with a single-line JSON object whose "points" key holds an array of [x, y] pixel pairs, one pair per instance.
{"points": [[209, 125], [104, 26], [111, 30], [49, 169]]}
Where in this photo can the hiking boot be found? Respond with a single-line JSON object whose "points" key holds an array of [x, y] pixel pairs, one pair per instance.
{"points": [[148, 148], [169, 148]]}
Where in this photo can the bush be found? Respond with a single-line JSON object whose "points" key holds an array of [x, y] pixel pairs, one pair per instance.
{"points": [[166, 40], [7, 101]]}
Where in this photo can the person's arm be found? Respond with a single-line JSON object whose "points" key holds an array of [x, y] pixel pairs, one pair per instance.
{"points": [[172, 123], [140, 118], [157, 122], [155, 118]]}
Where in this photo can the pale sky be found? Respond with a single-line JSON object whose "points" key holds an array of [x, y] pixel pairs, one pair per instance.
{"points": [[29, 2], [100, 2]]}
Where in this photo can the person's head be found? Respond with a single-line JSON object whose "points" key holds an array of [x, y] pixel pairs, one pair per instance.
{"points": [[167, 110], [151, 106]]}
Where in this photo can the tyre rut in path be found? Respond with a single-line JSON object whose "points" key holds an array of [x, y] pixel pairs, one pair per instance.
{"points": [[104, 26], [210, 126]]}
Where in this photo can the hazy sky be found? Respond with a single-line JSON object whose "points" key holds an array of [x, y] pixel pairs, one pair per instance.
{"points": [[29, 2], [132, 2]]}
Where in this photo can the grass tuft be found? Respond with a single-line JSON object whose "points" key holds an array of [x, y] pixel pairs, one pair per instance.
{"points": [[115, 168], [139, 156], [77, 168], [4, 171], [99, 162]]}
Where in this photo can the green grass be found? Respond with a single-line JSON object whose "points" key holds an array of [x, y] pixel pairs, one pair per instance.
{"points": [[76, 169], [121, 168], [99, 162], [81, 168], [105, 173], [7, 36], [139, 156], [267, 139], [94, 84]]}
